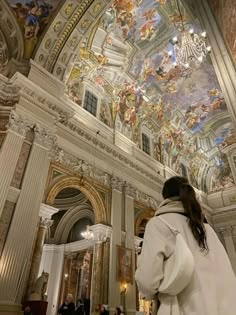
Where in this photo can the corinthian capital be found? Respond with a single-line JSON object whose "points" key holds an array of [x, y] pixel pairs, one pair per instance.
{"points": [[117, 184], [18, 124], [45, 138], [101, 233], [130, 190], [45, 223]]}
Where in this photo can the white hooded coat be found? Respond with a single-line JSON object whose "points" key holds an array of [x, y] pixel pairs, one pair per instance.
{"points": [[212, 290]]}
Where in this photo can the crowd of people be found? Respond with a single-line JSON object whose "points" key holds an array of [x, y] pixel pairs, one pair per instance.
{"points": [[83, 307]]}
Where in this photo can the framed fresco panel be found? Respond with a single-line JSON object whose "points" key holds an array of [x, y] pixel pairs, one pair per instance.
{"points": [[124, 264]]}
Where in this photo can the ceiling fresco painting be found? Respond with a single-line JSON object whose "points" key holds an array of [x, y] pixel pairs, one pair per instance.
{"points": [[225, 14], [131, 61], [33, 16]]}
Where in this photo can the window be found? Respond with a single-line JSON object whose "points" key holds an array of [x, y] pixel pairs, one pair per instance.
{"points": [[90, 103], [146, 143]]}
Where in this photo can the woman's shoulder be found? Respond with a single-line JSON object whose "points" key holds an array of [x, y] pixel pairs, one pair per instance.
{"points": [[156, 226]]}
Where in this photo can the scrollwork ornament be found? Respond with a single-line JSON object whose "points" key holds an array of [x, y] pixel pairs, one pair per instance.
{"points": [[117, 183], [130, 191]]}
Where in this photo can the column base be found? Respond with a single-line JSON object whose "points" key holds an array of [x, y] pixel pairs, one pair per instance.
{"points": [[10, 309]]}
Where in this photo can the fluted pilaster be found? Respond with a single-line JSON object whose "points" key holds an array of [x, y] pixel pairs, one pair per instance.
{"points": [[116, 209], [130, 296], [9, 155], [229, 244], [18, 247]]}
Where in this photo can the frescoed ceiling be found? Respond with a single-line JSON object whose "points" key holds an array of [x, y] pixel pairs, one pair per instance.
{"points": [[33, 17], [123, 50], [131, 60]]}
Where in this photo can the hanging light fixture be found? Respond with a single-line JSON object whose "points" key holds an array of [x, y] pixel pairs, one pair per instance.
{"points": [[190, 49], [88, 235]]}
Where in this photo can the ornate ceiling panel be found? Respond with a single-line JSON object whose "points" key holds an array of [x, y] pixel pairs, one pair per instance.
{"points": [[122, 49], [33, 17]]}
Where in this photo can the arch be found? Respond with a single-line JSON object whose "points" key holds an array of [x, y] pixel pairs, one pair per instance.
{"points": [[146, 214], [69, 219], [100, 215]]}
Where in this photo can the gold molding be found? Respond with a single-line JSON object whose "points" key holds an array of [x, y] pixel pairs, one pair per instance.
{"points": [[144, 214], [70, 26], [85, 187]]}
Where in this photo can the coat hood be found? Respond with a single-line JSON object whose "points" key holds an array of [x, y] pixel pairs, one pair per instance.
{"points": [[170, 205]]}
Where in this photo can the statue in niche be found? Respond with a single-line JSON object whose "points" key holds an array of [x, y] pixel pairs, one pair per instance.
{"points": [[40, 288]]}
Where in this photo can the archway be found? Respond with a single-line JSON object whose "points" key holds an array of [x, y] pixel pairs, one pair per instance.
{"points": [[100, 215]]}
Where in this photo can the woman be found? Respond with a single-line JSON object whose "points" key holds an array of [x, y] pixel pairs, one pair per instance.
{"points": [[212, 290], [104, 310], [68, 307], [118, 311]]}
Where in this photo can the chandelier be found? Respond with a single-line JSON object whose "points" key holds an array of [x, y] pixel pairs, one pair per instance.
{"points": [[190, 49], [88, 235]]}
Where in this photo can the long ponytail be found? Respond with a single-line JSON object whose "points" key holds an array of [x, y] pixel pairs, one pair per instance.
{"points": [[179, 187]]}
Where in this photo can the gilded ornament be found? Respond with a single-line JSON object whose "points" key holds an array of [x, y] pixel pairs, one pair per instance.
{"points": [[64, 58], [97, 7], [57, 26], [59, 71], [233, 199], [69, 9], [73, 41], [85, 24], [48, 43], [71, 24]]}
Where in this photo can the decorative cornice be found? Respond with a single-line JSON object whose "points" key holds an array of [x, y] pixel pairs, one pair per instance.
{"points": [[42, 100], [47, 211], [114, 152], [114, 182]]}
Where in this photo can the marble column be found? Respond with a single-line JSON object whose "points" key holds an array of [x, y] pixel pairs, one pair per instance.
{"points": [[114, 297], [106, 252], [96, 285], [130, 296], [43, 226], [229, 244], [17, 251], [10, 152], [101, 234]]}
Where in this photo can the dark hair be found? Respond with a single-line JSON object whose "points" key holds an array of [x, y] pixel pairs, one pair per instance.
{"points": [[179, 187], [118, 310]]}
